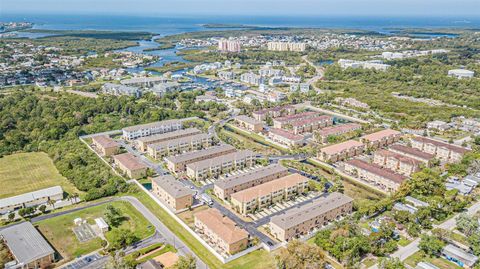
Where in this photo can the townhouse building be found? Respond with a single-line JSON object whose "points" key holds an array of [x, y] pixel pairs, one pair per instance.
{"points": [[266, 194], [442, 151], [105, 145], [273, 112], [130, 165], [159, 127], [381, 139], [375, 175], [248, 123], [282, 122], [425, 158], [180, 145], [172, 192], [323, 134], [305, 219], [396, 162], [285, 137], [312, 124], [341, 151], [143, 142]]}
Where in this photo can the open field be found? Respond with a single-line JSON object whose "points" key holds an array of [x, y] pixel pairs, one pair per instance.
{"points": [[58, 230], [259, 259], [26, 172]]}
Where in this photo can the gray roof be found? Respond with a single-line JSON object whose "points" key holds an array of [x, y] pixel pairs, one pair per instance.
{"points": [[120, 88], [426, 265], [25, 242], [172, 186], [200, 153], [155, 124], [317, 207], [170, 135], [30, 196], [459, 254], [252, 175], [416, 202], [247, 119], [181, 140], [143, 80], [238, 155]]}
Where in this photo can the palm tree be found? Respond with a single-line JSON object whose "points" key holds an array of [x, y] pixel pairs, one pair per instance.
{"points": [[51, 203]]}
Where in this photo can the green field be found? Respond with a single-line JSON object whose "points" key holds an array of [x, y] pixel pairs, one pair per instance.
{"points": [[420, 256], [58, 230], [26, 172]]}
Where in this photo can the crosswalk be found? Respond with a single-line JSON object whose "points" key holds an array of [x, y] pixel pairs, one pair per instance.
{"points": [[265, 212]]}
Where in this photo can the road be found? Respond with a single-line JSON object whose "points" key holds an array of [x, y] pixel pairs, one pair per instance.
{"points": [[318, 70]]}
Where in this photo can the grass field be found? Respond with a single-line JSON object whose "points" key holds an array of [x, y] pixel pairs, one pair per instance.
{"points": [[420, 256], [259, 259], [26, 172], [58, 230]]}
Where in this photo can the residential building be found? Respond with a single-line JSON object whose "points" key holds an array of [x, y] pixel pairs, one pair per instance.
{"points": [[27, 246], [274, 112], [172, 192], [249, 124], [374, 174], [130, 165], [144, 82], [425, 265], [285, 137], [226, 75], [381, 139], [337, 130], [461, 73], [341, 151], [220, 232], [251, 78], [312, 124], [180, 145], [439, 125], [119, 90], [214, 167], [105, 145], [178, 163], [225, 45], [442, 151], [305, 219], [396, 162], [276, 96], [413, 153], [286, 46], [281, 122], [159, 127], [375, 64], [205, 98], [143, 142], [266, 194], [30, 199], [225, 187], [459, 256]]}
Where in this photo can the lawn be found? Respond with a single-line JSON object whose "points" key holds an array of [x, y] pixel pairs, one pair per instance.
{"points": [[420, 256], [58, 230], [255, 137], [259, 259], [26, 172]]}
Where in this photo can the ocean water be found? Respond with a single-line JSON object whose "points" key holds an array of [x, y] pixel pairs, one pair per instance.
{"points": [[173, 25]]}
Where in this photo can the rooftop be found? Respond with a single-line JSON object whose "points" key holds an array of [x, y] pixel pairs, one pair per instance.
{"points": [[25, 242], [180, 140], [31, 196], [339, 129], [155, 124], [269, 187], [297, 215], [412, 151], [169, 135], [105, 141], [297, 117], [172, 186], [200, 153], [337, 148], [377, 170], [437, 143], [399, 157], [142, 80], [252, 175], [238, 155], [221, 225], [277, 108], [247, 119], [321, 118], [129, 161], [286, 134], [458, 253], [381, 135]]}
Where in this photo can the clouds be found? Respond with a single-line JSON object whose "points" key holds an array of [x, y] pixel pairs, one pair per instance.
{"points": [[247, 7]]}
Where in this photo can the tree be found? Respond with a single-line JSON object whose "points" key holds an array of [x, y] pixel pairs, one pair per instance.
{"points": [[11, 216], [186, 262], [467, 225], [121, 238], [390, 263], [431, 245], [42, 208], [113, 216], [299, 254]]}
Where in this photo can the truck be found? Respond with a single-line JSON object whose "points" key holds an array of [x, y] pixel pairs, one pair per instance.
{"points": [[206, 199]]}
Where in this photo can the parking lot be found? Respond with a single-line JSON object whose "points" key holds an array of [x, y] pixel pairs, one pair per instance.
{"points": [[83, 262], [265, 212]]}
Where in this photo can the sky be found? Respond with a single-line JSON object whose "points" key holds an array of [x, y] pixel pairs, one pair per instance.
{"points": [[246, 7]]}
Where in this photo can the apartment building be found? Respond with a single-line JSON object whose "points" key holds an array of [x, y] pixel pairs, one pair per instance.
{"points": [[323, 134], [310, 125], [172, 192], [105, 145], [285, 137], [225, 45], [341, 151], [305, 219], [223, 188], [220, 232], [30, 199], [248, 123], [178, 163], [130, 165], [266, 194], [413, 153], [180, 145], [119, 90], [251, 78], [217, 166], [282, 122], [396, 162], [143, 142], [274, 112], [286, 46], [374, 174], [159, 127], [381, 139], [442, 151]]}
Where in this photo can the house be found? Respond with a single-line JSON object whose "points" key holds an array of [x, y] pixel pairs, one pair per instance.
{"points": [[341, 151], [381, 139], [306, 218], [459, 256], [105, 145], [28, 247], [30, 199], [130, 165], [102, 225], [248, 123], [220, 232], [172, 192]]}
